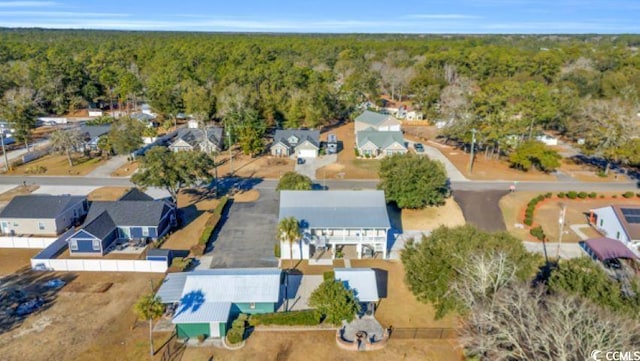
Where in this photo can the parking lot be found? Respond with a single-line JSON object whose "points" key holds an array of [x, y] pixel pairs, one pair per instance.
{"points": [[247, 235]]}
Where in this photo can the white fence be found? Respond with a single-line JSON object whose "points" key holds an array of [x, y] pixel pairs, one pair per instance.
{"points": [[99, 265], [25, 242], [46, 260]]}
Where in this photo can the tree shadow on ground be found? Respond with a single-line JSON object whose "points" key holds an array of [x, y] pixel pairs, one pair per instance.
{"points": [[26, 285]]}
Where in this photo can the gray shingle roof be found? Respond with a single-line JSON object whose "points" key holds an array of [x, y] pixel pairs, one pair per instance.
{"points": [[195, 136], [100, 226], [135, 194], [283, 135], [129, 213], [336, 209], [380, 139], [94, 131], [372, 118], [42, 206]]}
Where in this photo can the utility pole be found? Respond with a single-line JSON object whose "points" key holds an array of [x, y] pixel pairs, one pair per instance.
{"points": [[230, 154], [473, 147], [563, 211], [4, 151]]}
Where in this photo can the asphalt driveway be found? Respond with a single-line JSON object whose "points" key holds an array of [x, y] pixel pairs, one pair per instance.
{"points": [[247, 235], [481, 208]]}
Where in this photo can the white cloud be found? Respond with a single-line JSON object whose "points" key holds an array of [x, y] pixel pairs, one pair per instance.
{"points": [[27, 4]]}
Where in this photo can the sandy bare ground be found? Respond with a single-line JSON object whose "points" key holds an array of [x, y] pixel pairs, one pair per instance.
{"points": [[107, 193], [247, 196], [449, 215], [84, 325], [321, 346]]}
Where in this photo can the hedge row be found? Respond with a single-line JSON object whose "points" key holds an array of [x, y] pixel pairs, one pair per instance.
{"points": [[209, 227], [293, 318], [531, 207]]}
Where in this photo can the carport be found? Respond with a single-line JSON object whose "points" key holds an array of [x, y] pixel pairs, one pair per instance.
{"points": [[605, 249]]}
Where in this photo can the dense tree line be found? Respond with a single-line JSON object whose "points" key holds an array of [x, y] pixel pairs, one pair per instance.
{"points": [[501, 85]]}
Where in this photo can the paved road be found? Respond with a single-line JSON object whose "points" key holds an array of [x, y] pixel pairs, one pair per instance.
{"points": [[348, 184], [247, 235]]}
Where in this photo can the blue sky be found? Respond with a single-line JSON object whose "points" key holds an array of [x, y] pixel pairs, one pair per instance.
{"points": [[331, 16]]}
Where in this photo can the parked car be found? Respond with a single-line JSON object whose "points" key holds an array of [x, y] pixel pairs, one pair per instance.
{"points": [[300, 160], [419, 147]]}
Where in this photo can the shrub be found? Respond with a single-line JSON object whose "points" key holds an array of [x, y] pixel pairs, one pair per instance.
{"points": [[238, 323], [356, 152], [548, 195], [179, 264], [561, 195], [201, 338], [602, 174], [528, 221], [220, 207], [293, 318], [35, 169], [582, 195], [602, 196], [614, 196], [537, 232], [628, 194], [572, 195], [206, 234], [593, 195], [638, 195], [276, 250], [329, 275], [235, 335]]}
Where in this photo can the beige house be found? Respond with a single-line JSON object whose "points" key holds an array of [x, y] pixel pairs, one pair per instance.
{"points": [[377, 121], [302, 143], [191, 139], [42, 214], [375, 144]]}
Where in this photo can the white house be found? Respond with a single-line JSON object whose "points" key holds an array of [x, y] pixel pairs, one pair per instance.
{"points": [[621, 222], [333, 222]]}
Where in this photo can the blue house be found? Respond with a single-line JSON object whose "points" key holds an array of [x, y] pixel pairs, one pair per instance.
{"points": [[135, 216]]}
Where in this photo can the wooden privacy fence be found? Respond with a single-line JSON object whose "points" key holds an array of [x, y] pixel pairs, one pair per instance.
{"points": [[423, 333]]}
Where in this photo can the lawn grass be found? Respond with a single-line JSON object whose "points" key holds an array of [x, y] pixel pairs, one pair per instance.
{"points": [[59, 165]]}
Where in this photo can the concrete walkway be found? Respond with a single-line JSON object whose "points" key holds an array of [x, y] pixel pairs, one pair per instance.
{"points": [[105, 170], [311, 165], [454, 174], [576, 229], [567, 250]]}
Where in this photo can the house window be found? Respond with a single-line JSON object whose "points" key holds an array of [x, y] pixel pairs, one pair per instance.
{"points": [[618, 235], [601, 222], [74, 245], [96, 244], [145, 231], [15, 224], [252, 305], [41, 226]]}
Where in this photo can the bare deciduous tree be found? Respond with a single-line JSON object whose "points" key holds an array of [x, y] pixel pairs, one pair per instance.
{"points": [[508, 320]]}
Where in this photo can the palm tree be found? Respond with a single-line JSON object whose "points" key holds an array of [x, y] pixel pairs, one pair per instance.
{"points": [[289, 231], [149, 307], [66, 141]]}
